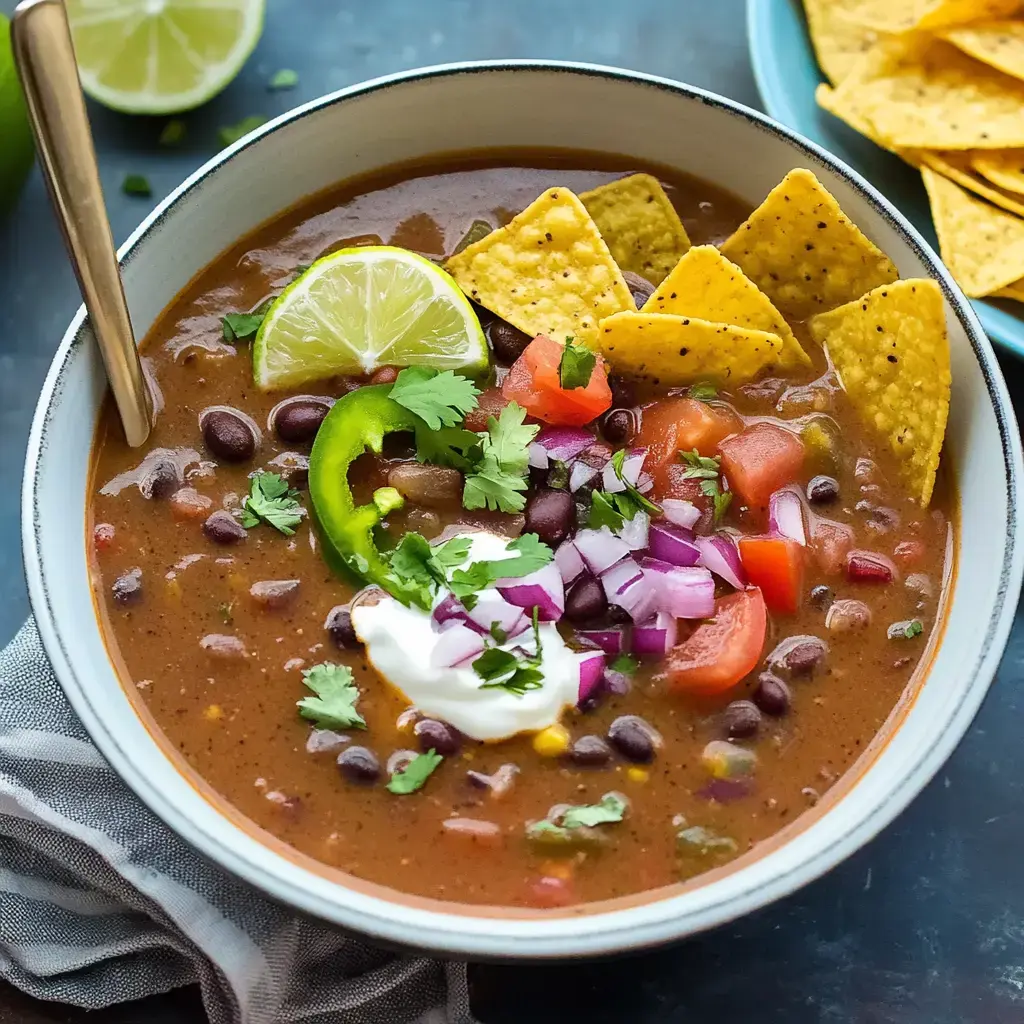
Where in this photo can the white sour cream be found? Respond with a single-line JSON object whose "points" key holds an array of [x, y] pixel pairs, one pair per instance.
{"points": [[400, 641]]}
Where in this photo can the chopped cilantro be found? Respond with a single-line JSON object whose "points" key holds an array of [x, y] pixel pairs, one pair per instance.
{"points": [[449, 446], [700, 467], [498, 635], [231, 133], [334, 706], [416, 563], [567, 826], [241, 326], [604, 511], [136, 185], [439, 399], [625, 664], [498, 479], [226, 610], [558, 475], [505, 671], [477, 230], [576, 365], [531, 554], [283, 79], [271, 501], [721, 500], [905, 630], [414, 774], [703, 392], [173, 133]]}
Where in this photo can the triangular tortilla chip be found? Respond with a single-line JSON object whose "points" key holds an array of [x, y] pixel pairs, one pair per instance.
{"points": [[920, 92], [891, 352], [675, 350], [803, 252], [638, 221], [982, 245], [1012, 291], [957, 167], [1003, 167], [705, 284], [999, 44], [839, 40], [548, 271], [901, 15]]}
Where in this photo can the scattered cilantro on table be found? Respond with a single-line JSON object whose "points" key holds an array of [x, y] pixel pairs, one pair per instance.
{"points": [[173, 133], [136, 185], [272, 501], [334, 706], [576, 365], [414, 774], [498, 480], [286, 78], [231, 133], [439, 399]]}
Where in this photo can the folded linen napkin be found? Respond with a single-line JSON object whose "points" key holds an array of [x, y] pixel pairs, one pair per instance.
{"points": [[101, 903]]}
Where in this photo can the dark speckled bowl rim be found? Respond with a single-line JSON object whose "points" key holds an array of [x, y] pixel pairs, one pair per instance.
{"points": [[598, 933]]}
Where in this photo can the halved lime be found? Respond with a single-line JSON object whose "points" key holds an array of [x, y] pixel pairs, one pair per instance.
{"points": [[161, 56], [359, 309]]}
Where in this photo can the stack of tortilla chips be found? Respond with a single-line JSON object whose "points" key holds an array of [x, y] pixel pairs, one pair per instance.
{"points": [[941, 84]]}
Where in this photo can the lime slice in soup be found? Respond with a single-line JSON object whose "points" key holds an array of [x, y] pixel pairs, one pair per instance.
{"points": [[359, 309], [161, 56]]}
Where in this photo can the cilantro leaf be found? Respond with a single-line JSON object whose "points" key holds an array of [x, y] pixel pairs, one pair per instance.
{"points": [[417, 564], [509, 438], [452, 552], [503, 670], [531, 554], [700, 467], [136, 185], [414, 774], [449, 446], [604, 512], [173, 133], [611, 808], [477, 230], [334, 706], [576, 365], [630, 501], [490, 487], [239, 326], [625, 664], [558, 475], [703, 392], [231, 133], [722, 501], [272, 501], [498, 635], [494, 663], [439, 399], [905, 630], [498, 480], [283, 79]]}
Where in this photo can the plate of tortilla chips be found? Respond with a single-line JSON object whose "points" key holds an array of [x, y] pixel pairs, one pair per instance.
{"points": [[926, 99]]}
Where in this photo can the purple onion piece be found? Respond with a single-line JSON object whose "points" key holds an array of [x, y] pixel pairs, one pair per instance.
{"points": [[600, 549], [455, 646], [680, 513], [786, 515], [683, 592], [655, 637], [542, 589], [537, 457], [451, 609], [580, 474], [611, 641], [563, 443], [569, 562], [719, 554], [592, 664], [492, 608], [674, 544], [635, 531]]}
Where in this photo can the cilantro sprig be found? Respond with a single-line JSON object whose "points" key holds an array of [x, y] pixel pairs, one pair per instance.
{"points": [[334, 706], [498, 479], [514, 671], [576, 365], [413, 776], [531, 554], [242, 326], [708, 469], [440, 399], [905, 630], [615, 509], [272, 501], [567, 825]]}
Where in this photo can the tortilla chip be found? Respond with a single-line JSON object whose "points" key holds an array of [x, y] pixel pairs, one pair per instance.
{"points": [[957, 167], [1012, 291], [902, 15], [998, 43], [802, 251], [548, 271], [838, 40], [705, 284], [920, 92], [675, 350], [982, 245], [891, 352], [638, 221], [1003, 167]]}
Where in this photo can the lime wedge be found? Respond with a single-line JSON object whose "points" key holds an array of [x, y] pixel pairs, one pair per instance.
{"points": [[15, 136], [161, 56], [359, 309]]}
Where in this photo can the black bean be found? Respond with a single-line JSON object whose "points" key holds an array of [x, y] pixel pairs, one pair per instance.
{"points": [[339, 625], [127, 588], [635, 739], [618, 426], [623, 394], [590, 752], [741, 719], [436, 736], [822, 490], [508, 342], [821, 596], [325, 741], [297, 421], [771, 695], [223, 528], [228, 436], [549, 514], [358, 764], [805, 657], [586, 601], [161, 479]]}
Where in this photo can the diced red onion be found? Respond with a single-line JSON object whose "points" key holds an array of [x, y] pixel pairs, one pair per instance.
{"points": [[632, 467], [451, 609], [680, 513], [591, 673], [537, 457], [655, 637], [542, 589], [625, 585], [562, 444], [674, 544], [786, 515], [580, 474], [600, 549], [617, 683], [456, 645], [569, 562], [490, 608], [611, 641], [720, 554], [634, 531], [645, 483], [617, 578], [682, 592]]}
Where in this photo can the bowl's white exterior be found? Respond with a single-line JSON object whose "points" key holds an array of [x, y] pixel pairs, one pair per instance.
{"points": [[488, 105]]}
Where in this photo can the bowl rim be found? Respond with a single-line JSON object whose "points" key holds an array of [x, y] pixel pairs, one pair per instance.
{"points": [[461, 933]]}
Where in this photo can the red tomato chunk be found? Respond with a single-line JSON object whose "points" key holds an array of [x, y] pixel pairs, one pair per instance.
{"points": [[760, 460], [103, 536], [776, 566]]}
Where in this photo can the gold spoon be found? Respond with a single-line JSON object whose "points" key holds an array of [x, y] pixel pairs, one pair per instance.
{"points": [[45, 59]]}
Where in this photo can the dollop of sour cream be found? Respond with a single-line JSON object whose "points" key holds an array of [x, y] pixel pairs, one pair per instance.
{"points": [[400, 643]]}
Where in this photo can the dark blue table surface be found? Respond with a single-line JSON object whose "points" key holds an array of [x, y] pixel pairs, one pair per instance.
{"points": [[924, 926]]}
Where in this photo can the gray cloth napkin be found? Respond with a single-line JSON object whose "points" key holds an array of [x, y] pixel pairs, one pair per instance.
{"points": [[101, 903]]}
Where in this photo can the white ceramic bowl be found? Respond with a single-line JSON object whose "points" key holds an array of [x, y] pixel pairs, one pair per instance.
{"points": [[412, 116]]}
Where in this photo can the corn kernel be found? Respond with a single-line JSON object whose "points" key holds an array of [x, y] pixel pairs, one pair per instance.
{"points": [[552, 741], [213, 713], [638, 775]]}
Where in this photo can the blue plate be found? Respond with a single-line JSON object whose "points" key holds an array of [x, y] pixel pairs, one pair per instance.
{"points": [[787, 74]]}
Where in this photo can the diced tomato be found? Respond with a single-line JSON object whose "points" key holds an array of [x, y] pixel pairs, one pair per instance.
{"points": [[103, 536], [760, 460], [682, 424], [533, 383], [776, 565], [489, 402], [830, 543], [549, 893], [722, 650]]}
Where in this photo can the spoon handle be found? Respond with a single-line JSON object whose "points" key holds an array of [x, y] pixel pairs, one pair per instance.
{"points": [[45, 59]]}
